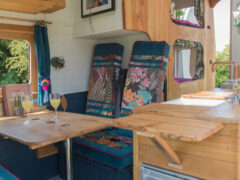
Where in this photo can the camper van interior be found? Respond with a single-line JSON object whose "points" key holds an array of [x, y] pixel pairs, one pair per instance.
{"points": [[119, 90]]}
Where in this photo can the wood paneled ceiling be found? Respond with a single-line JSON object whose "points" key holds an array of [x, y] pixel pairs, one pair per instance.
{"points": [[32, 6]]}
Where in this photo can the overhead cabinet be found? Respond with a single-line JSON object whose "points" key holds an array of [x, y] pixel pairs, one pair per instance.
{"points": [[32, 6]]}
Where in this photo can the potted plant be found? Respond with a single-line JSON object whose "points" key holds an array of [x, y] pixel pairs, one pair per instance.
{"points": [[18, 106]]}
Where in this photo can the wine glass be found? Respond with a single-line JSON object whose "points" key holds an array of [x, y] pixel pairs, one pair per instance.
{"points": [[27, 103], [55, 102]]}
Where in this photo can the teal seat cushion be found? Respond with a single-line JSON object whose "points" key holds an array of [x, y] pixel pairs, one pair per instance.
{"points": [[6, 175], [111, 147]]}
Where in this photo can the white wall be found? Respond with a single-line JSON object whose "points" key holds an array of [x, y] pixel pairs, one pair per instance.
{"points": [[111, 21], [76, 52], [64, 41], [127, 41]]}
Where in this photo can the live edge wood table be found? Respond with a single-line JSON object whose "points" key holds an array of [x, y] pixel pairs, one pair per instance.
{"points": [[200, 141], [40, 132]]}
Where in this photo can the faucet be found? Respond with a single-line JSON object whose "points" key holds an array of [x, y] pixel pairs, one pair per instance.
{"points": [[229, 63]]}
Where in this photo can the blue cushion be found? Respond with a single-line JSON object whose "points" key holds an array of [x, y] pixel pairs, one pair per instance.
{"points": [[6, 175], [104, 81], [146, 75], [112, 147]]}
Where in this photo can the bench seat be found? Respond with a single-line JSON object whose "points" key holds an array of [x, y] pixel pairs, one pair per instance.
{"points": [[6, 175], [111, 147]]}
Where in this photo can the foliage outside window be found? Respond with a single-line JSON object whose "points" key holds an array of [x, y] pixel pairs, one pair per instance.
{"points": [[222, 72], [188, 12], [14, 61]]}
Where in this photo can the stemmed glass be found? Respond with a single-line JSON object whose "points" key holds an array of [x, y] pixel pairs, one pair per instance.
{"points": [[55, 102], [27, 103]]}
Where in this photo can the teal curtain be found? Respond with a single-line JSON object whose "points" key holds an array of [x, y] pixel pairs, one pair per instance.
{"points": [[43, 58]]}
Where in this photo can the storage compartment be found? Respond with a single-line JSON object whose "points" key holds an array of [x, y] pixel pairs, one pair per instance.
{"points": [[153, 173]]}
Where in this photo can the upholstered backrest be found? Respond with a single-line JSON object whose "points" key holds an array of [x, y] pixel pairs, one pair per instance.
{"points": [[104, 79], [146, 75]]}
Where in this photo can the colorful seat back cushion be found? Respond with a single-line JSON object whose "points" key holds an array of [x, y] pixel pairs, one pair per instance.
{"points": [[6, 175], [146, 75], [111, 147], [104, 79]]}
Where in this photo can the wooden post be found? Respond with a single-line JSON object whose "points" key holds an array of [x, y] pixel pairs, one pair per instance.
{"points": [[136, 163]]}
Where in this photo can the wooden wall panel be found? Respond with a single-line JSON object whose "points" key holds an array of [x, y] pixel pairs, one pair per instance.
{"points": [[201, 160], [215, 158], [213, 3], [152, 17]]}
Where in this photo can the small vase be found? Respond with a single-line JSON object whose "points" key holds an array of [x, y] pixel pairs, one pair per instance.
{"points": [[18, 111]]}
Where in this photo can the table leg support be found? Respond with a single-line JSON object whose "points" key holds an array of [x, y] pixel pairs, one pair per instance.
{"points": [[69, 158]]}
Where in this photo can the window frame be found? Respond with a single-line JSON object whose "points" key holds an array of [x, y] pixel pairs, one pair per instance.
{"points": [[199, 12], [20, 32], [192, 45]]}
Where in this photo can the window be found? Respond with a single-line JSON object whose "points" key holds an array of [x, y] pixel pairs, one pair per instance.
{"points": [[188, 61], [14, 61], [188, 12], [18, 60]]}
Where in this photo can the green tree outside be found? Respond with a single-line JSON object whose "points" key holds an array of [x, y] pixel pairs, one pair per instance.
{"points": [[14, 61], [222, 71]]}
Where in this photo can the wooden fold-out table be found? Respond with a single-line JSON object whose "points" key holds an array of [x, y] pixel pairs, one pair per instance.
{"points": [[213, 95], [172, 137], [40, 132], [159, 127]]}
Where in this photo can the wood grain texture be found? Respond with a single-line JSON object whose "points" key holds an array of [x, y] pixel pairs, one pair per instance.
{"points": [[213, 3], [40, 132], [32, 7], [209, 95], [170, 110], [64, 103], [46, 151], [136, 162], [215, 157], [189, 130], [167, 148], [152, 17], [225, 113], [196, 160]]}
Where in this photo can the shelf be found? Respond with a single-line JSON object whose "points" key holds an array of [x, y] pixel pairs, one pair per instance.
{"points": [[188, 130]]}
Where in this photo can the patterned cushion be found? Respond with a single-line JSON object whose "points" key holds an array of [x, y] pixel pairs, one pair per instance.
{"points": [[112, 147], [146, 75], [104, 80], [6, 175]]}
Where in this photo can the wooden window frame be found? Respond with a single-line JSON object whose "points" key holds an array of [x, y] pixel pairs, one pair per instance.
{"points": [[20, 32]]}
